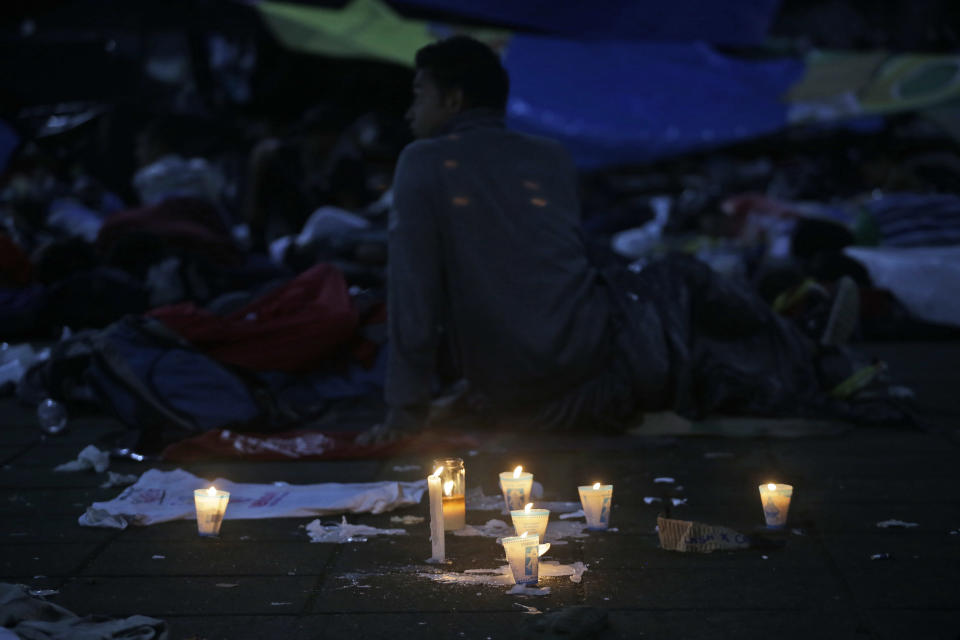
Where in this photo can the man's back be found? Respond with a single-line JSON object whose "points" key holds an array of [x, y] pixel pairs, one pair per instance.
{"points": [[485, 241]]}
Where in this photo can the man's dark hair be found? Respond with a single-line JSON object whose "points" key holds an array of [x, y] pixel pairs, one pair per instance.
{"points": [[463, 63]]}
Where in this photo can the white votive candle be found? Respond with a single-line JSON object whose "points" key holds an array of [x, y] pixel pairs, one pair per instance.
{"points": [[523, 553], [529, 519], [596, 500], [516, 486], [211, 505], [775, 499]]}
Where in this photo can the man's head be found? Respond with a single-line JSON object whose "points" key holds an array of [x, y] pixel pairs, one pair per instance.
{"points": [[454, 75]]}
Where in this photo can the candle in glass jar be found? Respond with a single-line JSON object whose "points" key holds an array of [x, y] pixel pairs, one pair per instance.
{"points": [[454, 508]]}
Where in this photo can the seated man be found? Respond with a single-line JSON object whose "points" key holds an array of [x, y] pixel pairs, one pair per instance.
{"points": [[487, 264]]}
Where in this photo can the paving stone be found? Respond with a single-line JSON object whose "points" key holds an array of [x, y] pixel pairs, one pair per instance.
{"points": [[757, 585], [906, 584], [20, 561], [700, 623], [23, 529], [210, 557], [928, 624], [404, 590], [166, 595]]}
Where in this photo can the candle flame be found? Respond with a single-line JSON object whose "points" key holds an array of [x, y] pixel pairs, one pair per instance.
{"points": [[448, 487], [517, 471], [596, 486], [212, 491], [771, 487], [527, 508], [436, 474], [524, 534]]}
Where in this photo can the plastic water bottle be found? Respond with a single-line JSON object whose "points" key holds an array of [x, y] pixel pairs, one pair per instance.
{"points": [[52, 416]]}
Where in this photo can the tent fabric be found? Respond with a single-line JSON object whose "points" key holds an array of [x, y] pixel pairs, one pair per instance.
{"points": [[362, 29], [743, 22], [296, 327], [632, 102]]}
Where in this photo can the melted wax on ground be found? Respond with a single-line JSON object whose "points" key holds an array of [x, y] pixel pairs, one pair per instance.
{"points": [[345, 532], [502, 576]]}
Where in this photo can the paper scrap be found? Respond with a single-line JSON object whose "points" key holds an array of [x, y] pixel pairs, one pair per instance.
{"points": [[881, 556], [886, 524], [159, 557], [573, 514], [407, 519], [686, 535], [42, 593], [227, 585], [678, 501], [651, 499], [343, 531], [663, 480], [531, 610], [161, 496], [89, 458]]}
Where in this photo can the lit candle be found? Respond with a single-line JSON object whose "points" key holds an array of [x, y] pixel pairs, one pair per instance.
{"points": [[530, 519], [775, 499], [516, 486], [437, 541], [210, 505], [454, 508], [596, 501], [523, 553], [453, 478]]}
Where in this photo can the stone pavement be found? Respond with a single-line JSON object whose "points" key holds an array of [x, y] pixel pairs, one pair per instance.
{"points": [[264, 579]]}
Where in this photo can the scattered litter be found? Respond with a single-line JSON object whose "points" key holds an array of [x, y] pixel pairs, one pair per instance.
{"points": [[679, 487], [43, 593], [400, 468], [244, 537], [556, 531], [651, 499], [291, 573], [886, 524], [713, 455], [227, 585], [490, 529], [573, 514], [881, 556], [161, 496], [524, 590], [798, 532], [279, 604], [89, 458], [115, 479], [159, 557], [678, 501], [19, 533], [407, 519], [531, 610], [765, 557], [685, 535], [953, 533], [345, 532], [663, 480], [354, 579]]}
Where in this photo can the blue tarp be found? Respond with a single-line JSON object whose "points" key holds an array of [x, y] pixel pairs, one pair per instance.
{"points": [[631, 102], [722, 22]]}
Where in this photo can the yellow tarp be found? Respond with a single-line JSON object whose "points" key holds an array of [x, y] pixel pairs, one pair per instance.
{"points": [[362, 29], [839, 84]]}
